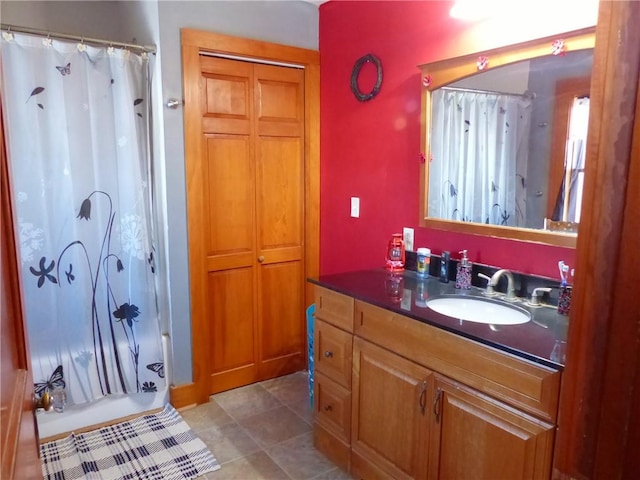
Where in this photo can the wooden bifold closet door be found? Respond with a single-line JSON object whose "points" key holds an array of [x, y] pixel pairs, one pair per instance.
{"points": [[252, 219]]}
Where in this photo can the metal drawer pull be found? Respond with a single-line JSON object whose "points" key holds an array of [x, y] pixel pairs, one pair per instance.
{"points": [[328, 354], [328, 408], [436, 405], [423, 397]]}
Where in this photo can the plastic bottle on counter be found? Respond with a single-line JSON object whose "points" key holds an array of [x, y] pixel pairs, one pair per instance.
{"points": [[444, 267], [423, 261]]}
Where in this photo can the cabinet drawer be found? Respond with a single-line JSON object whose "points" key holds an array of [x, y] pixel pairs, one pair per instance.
{"points": [[333, 407], [334, 308], [333, 352], [525, 385]]}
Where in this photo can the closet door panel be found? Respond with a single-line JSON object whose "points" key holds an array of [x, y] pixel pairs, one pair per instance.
{"points": [[279, 94], [230, 201], [280, 193], [232, 325], [282, 332], [226, 87]]}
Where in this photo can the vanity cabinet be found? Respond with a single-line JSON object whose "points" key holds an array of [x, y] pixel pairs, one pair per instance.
{"points": [[333, 346], [425, 402], [475, 436]]}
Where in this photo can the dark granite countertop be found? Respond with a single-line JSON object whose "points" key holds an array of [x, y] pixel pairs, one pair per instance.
{"points": [[541, 340]]}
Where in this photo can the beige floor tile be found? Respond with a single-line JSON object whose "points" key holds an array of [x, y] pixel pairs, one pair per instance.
{"points": [[335, 474], [246, 401], [205, 416], [299, 458], [303, 408], [263, 431], [228, 442], [274, 426], [253, 467], [290, 388]]}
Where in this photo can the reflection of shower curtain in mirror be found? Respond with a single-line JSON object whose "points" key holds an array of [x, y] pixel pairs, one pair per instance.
{"points": [[569, 199], [479, 154], [77, 135]]}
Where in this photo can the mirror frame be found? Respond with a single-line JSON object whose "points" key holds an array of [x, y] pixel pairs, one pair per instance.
{"points": [[446, 71]]}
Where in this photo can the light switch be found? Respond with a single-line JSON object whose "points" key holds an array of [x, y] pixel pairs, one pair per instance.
{"points": [[407, 236], [355, 207]]}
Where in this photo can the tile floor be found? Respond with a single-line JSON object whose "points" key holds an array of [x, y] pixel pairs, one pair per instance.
{"points": [[262, 431]]}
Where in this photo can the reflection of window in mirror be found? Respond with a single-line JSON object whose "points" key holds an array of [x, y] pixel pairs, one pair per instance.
{"points": [[566, 172]]}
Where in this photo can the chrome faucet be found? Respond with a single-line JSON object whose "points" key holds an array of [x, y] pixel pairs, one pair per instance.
{"points": [[493, 281]]}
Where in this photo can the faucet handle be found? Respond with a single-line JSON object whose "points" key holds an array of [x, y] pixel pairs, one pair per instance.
{"points": [[537, 293], [489, 291], [486, 277]]}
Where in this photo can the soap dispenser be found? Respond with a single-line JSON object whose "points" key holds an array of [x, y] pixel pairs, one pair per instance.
{"points": [[463, 272]]}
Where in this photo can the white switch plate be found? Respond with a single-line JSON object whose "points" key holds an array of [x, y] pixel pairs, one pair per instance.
{"points": [[355, 207], [407, 236]]}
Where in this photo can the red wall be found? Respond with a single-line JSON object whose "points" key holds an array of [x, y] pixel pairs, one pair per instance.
{"points": [[371, 149]]}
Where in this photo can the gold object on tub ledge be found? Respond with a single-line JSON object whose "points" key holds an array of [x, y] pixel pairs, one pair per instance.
{"points": [[43, 402]]}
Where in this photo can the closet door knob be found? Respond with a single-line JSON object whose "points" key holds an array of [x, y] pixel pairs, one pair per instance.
{"points": [[260, 259]]}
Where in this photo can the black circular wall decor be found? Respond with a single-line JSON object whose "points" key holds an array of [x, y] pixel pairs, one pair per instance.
{"points": [[369, 58]]}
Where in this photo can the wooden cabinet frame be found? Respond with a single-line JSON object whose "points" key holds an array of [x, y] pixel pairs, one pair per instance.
{"points": [[599, 417]]}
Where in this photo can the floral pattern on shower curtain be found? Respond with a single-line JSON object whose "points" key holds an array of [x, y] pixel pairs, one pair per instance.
{"points": [[77, 124], [479, 156]]}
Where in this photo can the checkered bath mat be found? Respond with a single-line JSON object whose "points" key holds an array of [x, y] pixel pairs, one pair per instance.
{"points": [[159, 446]]}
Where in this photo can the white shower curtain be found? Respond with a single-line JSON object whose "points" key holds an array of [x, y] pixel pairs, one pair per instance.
{"points": [[479, 154], [77, 122]]}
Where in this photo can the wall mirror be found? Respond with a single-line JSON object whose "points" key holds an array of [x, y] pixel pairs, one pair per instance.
{"points": [[504, 139]]}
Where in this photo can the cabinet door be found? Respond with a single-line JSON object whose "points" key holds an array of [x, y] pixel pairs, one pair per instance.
{"points": [[475, 436], [390, 414]]}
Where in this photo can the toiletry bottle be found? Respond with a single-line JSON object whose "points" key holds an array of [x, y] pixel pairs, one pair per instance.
{"points": [[423, 262], [444, 267], [463, 272], [564, 299]]}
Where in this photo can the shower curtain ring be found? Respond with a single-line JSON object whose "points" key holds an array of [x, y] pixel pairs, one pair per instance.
{"points": [[8, 36]]}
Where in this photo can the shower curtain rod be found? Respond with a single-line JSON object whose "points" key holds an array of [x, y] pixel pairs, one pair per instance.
{"points": [[472, 90], [65, 36]]}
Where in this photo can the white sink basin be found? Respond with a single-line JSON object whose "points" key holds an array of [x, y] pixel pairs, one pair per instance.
{"points": [[480, 310]]}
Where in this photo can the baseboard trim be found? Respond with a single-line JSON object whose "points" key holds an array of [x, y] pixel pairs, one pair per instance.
{"points": [[97, 426], [183, 395]]}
